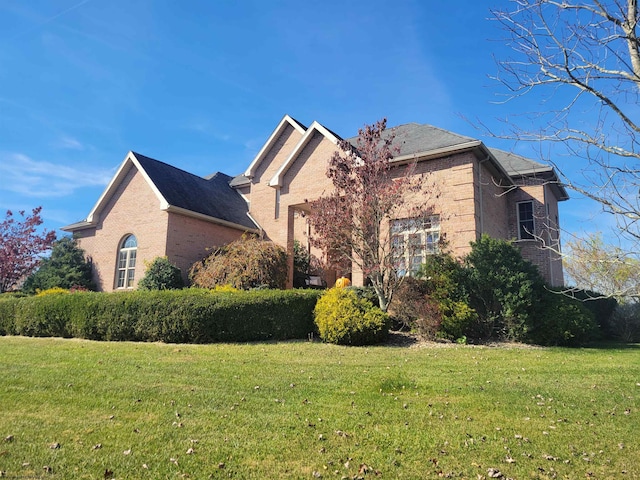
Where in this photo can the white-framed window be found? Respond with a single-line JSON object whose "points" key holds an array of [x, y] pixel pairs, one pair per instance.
{"points": [[526, 224], [411, 240], [126, 268]]}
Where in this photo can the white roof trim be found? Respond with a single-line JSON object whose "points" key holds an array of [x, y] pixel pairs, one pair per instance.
{"points": [[286, 120], [277, 179], [129, 161]]}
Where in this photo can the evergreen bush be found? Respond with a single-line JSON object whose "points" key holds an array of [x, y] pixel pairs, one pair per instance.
{"points": [[190, 316], [161, 275], [66, 267], [564, 321]]}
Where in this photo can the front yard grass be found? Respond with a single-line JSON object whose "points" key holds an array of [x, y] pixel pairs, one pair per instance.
{"points": [[82, 409]]}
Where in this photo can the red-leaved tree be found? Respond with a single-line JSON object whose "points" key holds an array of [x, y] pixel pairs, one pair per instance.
{"points": [[351, 223], [21, 245]]}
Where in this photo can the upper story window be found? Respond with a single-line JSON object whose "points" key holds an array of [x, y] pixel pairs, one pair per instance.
{"points": [[525, 221], [412, 239], [126, 268]]}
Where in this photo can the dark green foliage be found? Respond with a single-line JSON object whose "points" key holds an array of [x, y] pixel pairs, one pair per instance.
{"points": [[344, 318], [190, 316], [301, 263], [66, 267], [601, 306], [366, 293], [246, 263], [7, 314], [625, 323], [161, 275], [564, 322], [504, 289], [497, 295]]}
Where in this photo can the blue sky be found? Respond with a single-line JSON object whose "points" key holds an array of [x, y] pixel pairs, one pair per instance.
{"points": [[201, 84]]}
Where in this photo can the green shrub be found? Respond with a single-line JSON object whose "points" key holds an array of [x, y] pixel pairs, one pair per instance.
{"points": [[161, 275], [66, 267], [564, 322], [345, 319], [601, 306], [246, 263], [365, 293], [8, 305], [625, 322], [458, 319], [190, 316], [504, 289]]}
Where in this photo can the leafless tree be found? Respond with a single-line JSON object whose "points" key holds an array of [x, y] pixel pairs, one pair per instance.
{"points": [[582, 57]]}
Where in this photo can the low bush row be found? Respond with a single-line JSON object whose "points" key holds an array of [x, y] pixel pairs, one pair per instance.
{"points": [[171, 316]]}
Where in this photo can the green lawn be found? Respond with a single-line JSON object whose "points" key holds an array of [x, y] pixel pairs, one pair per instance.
{"points": [[80, 409]]}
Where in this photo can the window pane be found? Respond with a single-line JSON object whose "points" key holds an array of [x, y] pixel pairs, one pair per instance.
{"points": [[130, 274], [525, 220], [121, 278], [130, 242], [122, 260], [132, 259]]}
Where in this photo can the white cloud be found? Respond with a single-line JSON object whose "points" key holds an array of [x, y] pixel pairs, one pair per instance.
{"points": [[68, 143], [32, 178]]}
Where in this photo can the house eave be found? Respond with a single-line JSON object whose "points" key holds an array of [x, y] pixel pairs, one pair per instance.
{"points": [[74, 227], [210, 219], [475, 146]]}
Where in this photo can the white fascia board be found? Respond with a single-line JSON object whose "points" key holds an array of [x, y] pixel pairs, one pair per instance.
{"points": [[207, 218], [163, 202], [123, 169], [277, 179], [286, 120], [437, 152], [453, 149]]}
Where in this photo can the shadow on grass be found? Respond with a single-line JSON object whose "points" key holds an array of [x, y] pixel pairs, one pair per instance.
{"points": [[614, 346]]}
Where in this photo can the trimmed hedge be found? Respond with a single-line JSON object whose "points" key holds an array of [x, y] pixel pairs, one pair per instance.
{"points": [[185, 316]]}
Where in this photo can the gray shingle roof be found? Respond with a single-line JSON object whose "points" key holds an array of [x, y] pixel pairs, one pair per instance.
{"points": [[212, 197], [415, 138], [518, 165]]}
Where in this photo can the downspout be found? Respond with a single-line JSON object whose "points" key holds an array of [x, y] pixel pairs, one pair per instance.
{"points": [[549, 236]]}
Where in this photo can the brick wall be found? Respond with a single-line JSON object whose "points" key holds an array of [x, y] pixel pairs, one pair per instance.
{"points": [[543, 252], [133, 209], [190, 240]]}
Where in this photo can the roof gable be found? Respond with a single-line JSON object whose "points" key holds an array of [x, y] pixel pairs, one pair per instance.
{"points": [[315, 127], [286, 121], [179, 191]]}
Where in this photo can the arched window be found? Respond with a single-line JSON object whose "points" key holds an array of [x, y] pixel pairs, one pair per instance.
{"points": [[127, 262]]}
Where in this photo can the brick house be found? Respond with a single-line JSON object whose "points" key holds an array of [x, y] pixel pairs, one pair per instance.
{"points": [[152, 209]]}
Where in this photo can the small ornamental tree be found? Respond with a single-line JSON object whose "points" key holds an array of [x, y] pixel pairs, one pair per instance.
{"points": [[245, 263], [66, 267], [21, 246], [350, 223]]}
